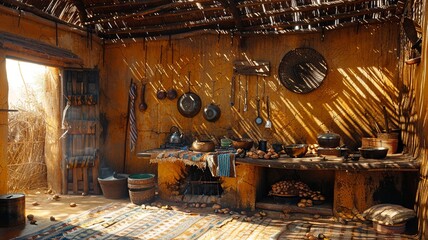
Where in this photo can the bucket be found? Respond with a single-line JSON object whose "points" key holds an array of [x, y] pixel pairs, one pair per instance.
{"points": [[391, 144], [141, 187], [114, 187], [12, 210]]}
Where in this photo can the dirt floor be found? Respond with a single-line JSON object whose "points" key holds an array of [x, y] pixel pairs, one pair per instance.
{"points": [[48, 207], [43, 206]]}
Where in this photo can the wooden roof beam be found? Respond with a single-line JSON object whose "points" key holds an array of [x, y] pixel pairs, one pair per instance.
{"points": [[318, 20], [82, 11], [231, 6], [40, 13], [103, 19], [169, 27]]}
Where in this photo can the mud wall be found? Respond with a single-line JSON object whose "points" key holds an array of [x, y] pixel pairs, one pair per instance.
{"points": [[362, 78], [29, 26]]}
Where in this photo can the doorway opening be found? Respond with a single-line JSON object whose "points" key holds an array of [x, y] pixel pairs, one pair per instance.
{"points": [[26, 126]]}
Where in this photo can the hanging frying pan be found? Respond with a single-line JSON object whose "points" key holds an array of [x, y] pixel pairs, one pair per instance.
{"points": [[189, 104], [212, 112], [302, 70]]}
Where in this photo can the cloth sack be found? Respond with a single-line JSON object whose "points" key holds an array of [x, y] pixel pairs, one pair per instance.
{"points": [[388, 214]]}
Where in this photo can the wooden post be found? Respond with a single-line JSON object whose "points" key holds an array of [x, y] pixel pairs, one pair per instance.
{"points": [[3, 123]]}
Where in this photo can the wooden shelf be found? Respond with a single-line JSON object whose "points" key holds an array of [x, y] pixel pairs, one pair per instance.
{"points": [[290, 206], [395, 162]]}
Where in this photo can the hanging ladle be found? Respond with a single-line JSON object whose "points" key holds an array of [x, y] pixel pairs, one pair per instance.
{"points": [[268, 122], [258, 119]]}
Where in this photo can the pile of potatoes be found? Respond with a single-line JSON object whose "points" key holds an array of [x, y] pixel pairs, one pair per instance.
{"points": [[259, 154], [312, 195], [288, 187]]}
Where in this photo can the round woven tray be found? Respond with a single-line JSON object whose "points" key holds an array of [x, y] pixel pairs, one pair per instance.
{"points": [[302, 70]]}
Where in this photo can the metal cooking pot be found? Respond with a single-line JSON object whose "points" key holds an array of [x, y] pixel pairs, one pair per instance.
{"points": [[161, 94], [203, 146], [171, 94], [329, 140], [189, 104], [212, 112]]}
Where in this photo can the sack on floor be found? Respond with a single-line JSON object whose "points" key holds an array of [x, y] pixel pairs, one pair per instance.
{"points": [[388, 214]]}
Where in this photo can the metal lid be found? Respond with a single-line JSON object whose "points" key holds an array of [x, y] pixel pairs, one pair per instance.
{"points": [[11, 196], [328, 135]]}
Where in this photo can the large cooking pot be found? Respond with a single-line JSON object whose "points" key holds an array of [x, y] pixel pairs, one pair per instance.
{"points": [[189, 104], [328, 140], [212, 112]]}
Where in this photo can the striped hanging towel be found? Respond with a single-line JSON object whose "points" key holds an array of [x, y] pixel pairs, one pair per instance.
{"points": [[132, 120]]}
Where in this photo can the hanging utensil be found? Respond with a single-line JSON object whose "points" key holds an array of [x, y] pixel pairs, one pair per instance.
{"points": [[211, 111], [232, 91], [268, 122], [385, 115], [189, 104], [258, 119], [246, 94], [143, 104], [239, 94]]}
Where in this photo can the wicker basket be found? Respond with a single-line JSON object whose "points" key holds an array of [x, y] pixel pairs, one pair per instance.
{"points": [[141, 178], [140, 196]]}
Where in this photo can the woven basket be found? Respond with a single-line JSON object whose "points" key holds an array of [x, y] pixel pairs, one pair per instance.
{"points": [[140, 196], [141, 178], [302, 70]]}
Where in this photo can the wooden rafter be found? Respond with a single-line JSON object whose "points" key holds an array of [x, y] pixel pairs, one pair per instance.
{"points": [[81, 8], [102, 19], [103, 6], [231, 6], [319, 20], [169, 27], [40, 13]]}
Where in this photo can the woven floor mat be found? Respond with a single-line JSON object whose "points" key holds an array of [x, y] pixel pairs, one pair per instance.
{"points": [[297, 229], [129, 221]]}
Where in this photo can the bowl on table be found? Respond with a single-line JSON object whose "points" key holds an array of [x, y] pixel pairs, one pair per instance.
{"points": [[373, 152], [296, 150]]}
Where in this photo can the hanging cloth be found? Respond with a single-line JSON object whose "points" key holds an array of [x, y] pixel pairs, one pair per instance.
{"points": [[133, 135]]}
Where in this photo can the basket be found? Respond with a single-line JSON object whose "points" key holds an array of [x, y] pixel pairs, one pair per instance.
{"points": [[141, 179], [140, 196]]}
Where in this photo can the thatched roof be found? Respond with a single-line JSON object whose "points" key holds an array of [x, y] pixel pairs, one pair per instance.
{"points": [[112, 19]]}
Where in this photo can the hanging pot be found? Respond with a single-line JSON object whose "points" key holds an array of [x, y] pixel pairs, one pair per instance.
{"points": [[161, 94], [212, 112], [171, 94], [189, 104]]}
